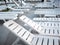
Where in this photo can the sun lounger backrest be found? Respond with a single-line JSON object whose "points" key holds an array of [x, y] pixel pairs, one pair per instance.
{"points": [[19, 31], [31, 23]]}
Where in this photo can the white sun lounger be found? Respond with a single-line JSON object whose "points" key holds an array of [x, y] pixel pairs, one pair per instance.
{"points": [[50, 28], [47, 19], [44, 5], [19, 31], [31, 23], [42, 30], [29, 38], [8, 16], [48, 11], [49, 24]]}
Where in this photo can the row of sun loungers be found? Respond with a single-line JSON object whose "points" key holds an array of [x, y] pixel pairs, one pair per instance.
{"points": [[55, 11], [48, 5], [48, 28], [28, 37], [39, 28], [46, 19], [44, 5]]}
